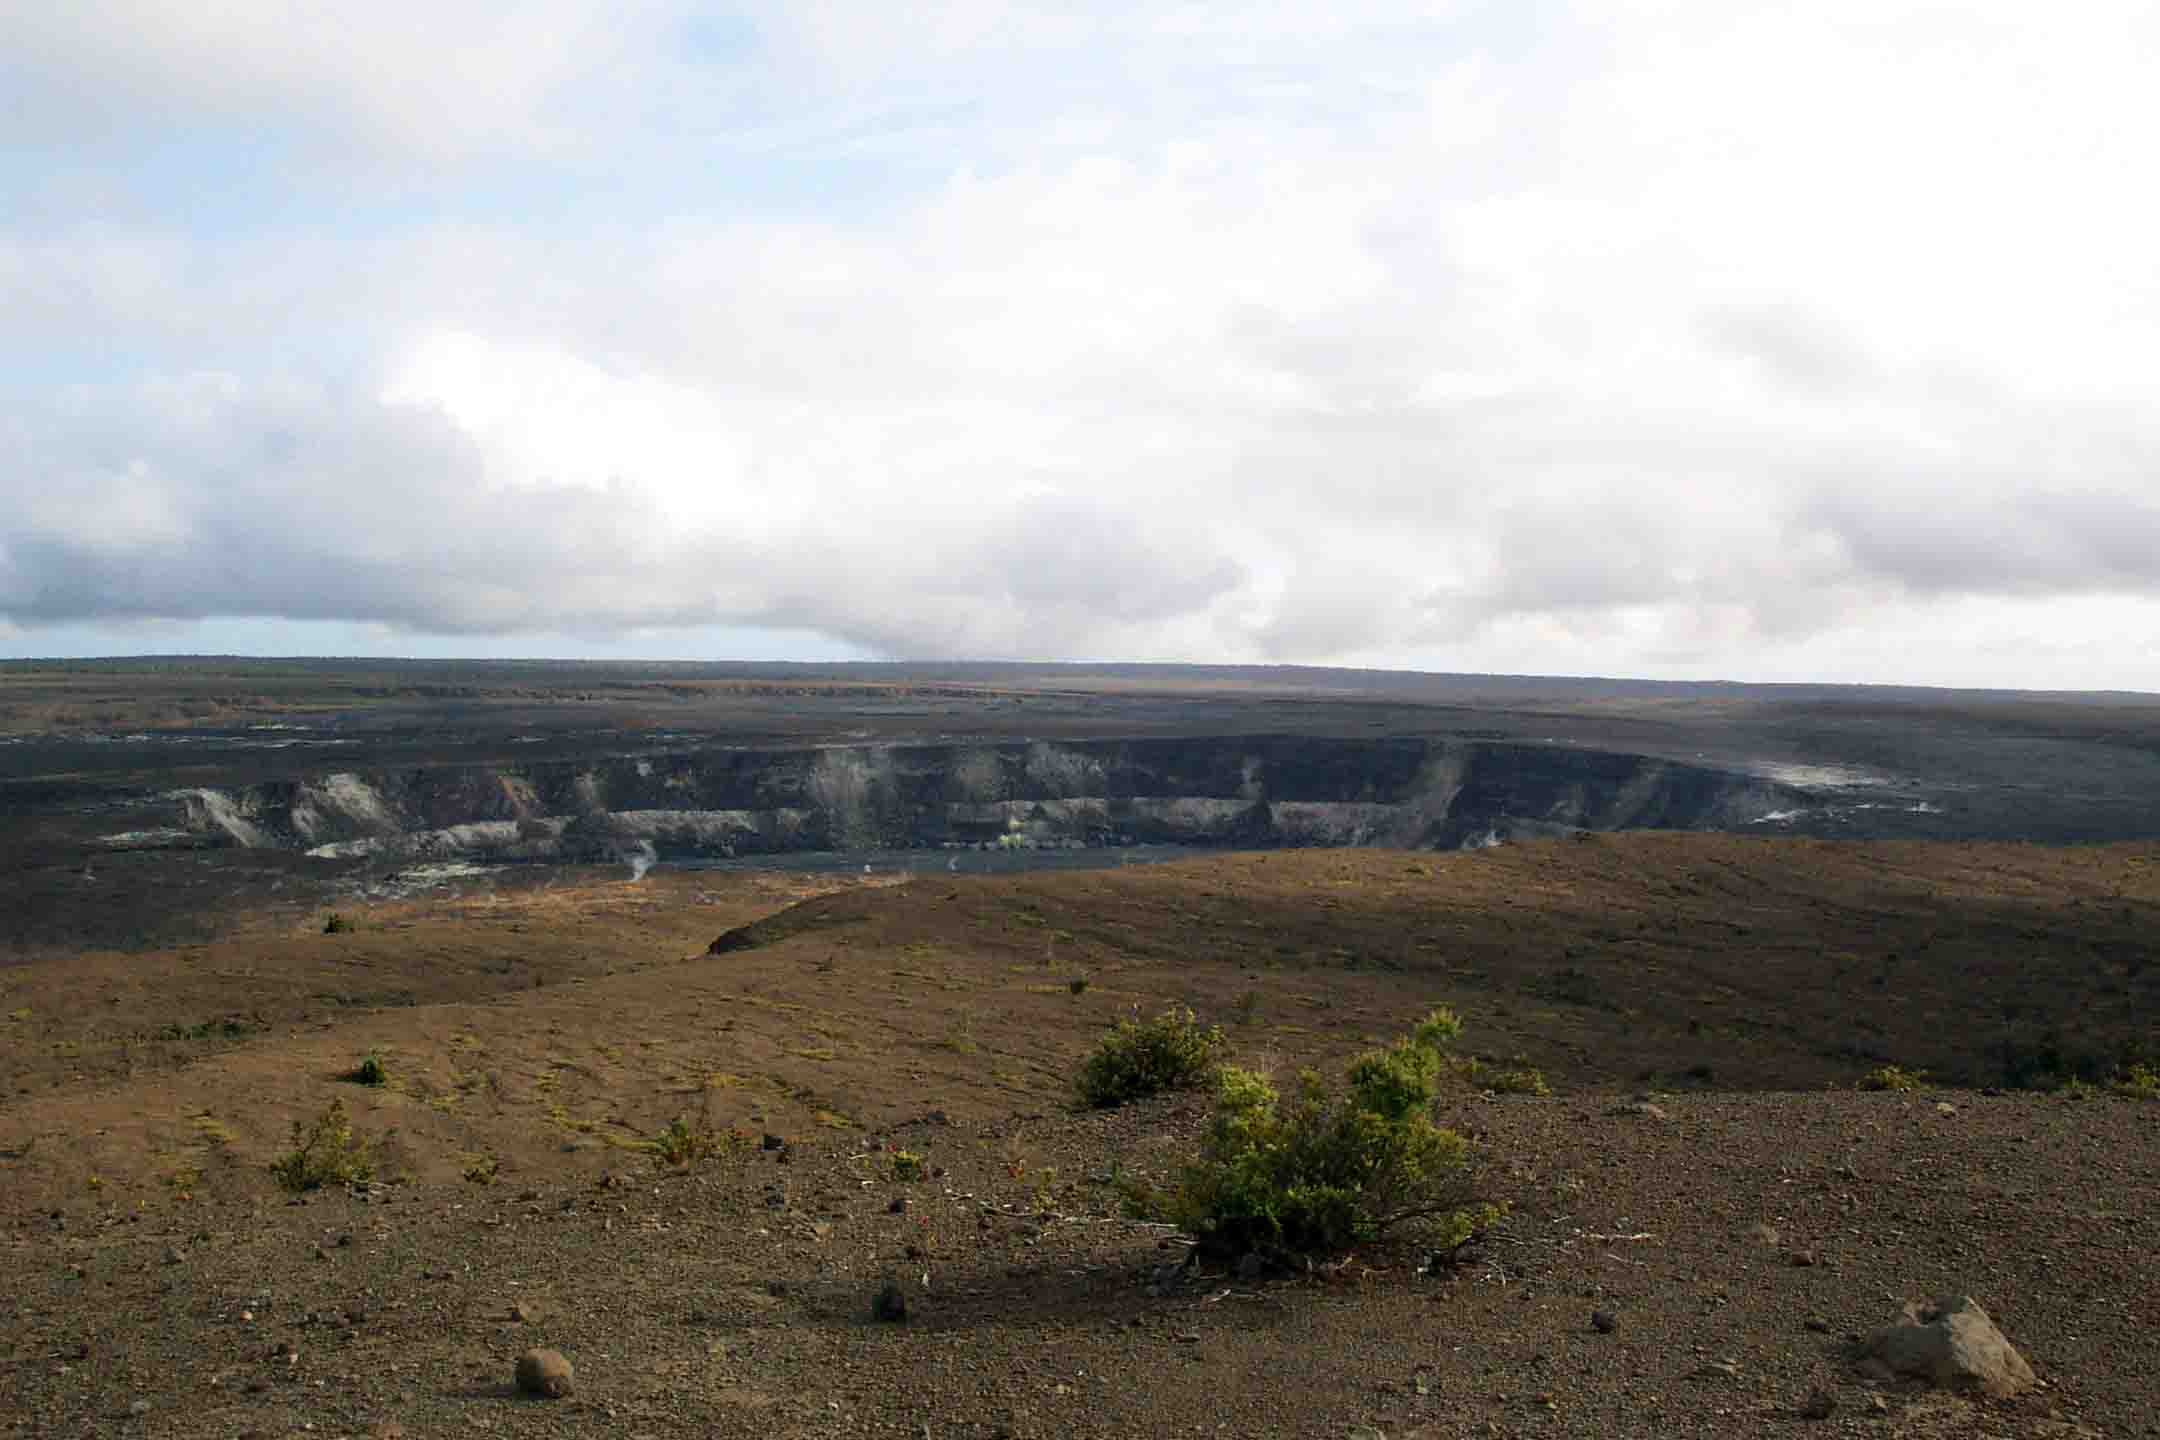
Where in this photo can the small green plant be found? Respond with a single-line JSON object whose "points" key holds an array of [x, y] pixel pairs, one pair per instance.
{"points": [[1517, 1078], [908, 1166], [1329, 1169], [2054, 1058], [2139, 1082], [336, 924], [1170, 1052], [484, 1170], [368, 1072], [1247, 1007], [683, 1144], [1078, 984], [1894, 1077], [326, 1153]]}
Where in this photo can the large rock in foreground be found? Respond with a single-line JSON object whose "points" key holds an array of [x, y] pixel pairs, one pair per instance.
{"points": [[1951, 1343], [544, 1373]]}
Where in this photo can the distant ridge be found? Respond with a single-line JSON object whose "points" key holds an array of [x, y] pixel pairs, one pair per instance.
{"points": [[1406, 685]]}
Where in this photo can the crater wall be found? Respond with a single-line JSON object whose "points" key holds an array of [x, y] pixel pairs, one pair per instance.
{"points": [[1255, 791]]}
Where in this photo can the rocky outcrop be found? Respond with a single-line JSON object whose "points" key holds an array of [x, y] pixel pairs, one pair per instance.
{"points": [[1256, 791]]}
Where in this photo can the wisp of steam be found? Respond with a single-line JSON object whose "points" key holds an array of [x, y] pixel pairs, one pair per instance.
{"points": [[641, 859]]}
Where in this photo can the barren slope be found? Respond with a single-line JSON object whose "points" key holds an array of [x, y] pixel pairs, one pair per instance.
{"points": [[1722, 969]]}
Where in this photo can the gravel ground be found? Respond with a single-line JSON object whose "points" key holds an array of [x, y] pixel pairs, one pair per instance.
{"points": [[1735, 1241]]}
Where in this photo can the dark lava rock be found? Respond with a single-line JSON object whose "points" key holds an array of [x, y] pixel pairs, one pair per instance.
{"points": [[890, 1303], [740, 938]]}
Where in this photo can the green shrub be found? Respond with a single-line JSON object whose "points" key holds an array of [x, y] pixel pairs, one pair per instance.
{"points": [[336, 924], [1078, 984], [368, 1072], [1170, 1052], [2055, 1058], [907, 1165], [1894, 1077], [1324, 1170], [683, 1144], [1518, 1078], [328, 1153], [484, 1170], [2139, 1082]]}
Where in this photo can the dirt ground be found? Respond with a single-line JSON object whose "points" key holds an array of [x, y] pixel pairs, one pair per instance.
{"points": [[540, 1038]]}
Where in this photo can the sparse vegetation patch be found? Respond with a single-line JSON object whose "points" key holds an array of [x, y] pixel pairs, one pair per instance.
{"points": [[326, 1153], [1894, 1077], [2139, 1082], [1517, 1077], [683, 1144]]}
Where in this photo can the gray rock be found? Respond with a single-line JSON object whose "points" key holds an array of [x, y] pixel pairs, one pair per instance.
{"points": [[1603, 1321], [1820, 1404], [1251, 1267], [544, 1373], [1950, 1343]]}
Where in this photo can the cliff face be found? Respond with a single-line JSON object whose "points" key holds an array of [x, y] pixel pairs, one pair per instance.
{"points": [[1248, 791]]}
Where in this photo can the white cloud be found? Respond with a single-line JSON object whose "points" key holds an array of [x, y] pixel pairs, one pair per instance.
{"points": [[435, 78], [1682, 338]]}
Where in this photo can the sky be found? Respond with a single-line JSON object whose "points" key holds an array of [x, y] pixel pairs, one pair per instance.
{"points": [[1680, 339]]}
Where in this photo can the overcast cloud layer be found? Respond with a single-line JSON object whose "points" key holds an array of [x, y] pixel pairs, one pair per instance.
{"points": [[1676, 338]]}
